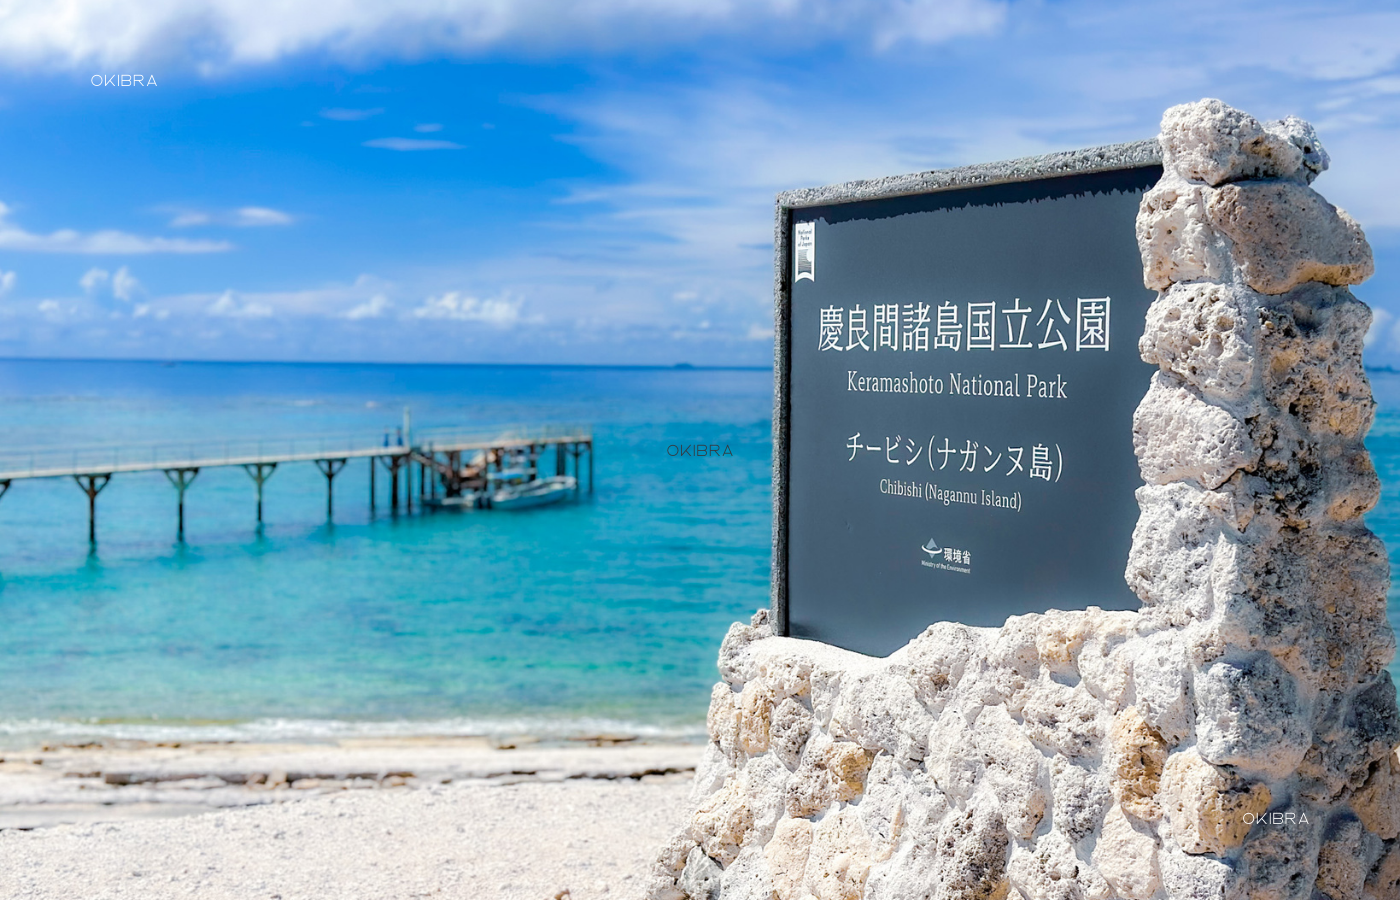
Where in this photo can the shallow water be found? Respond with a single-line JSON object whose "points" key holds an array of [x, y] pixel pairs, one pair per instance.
{"points": [[603, 615]]}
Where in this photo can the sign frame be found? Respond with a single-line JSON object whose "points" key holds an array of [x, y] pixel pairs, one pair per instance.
{"points": [[1107, 158]]}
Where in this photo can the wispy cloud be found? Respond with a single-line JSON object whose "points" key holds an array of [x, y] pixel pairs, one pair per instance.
{"points": [[372, 308], [1378, 335], [254, 216], [398, 143], [93, 279], [216, 34], [498, 311], [427, 127], [340, 114], [142, 310], [67, 240], [328, 301], [242, 217], [7, 282], [231, 305], [125, 285]]}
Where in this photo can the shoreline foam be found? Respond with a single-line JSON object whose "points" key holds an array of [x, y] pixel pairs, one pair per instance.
{"points": [[21, 734]]}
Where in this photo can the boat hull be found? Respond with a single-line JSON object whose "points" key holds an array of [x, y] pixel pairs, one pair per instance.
{"points": [[536, 493]]}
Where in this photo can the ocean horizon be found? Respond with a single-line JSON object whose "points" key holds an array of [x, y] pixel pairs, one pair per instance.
{"points": [[601, 616]]}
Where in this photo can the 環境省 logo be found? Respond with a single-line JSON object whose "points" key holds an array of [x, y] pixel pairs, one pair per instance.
{"points": [[950, 559]]}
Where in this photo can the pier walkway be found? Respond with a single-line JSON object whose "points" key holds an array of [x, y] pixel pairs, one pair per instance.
{"points": [[447, 460]]}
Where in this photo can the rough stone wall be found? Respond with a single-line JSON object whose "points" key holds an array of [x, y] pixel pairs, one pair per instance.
{"points": [[1233, 738]]}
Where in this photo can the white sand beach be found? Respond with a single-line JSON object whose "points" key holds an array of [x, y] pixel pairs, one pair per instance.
{"points": [[366, 819]]}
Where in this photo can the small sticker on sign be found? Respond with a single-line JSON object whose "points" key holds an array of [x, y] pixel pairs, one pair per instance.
{"points": [[805, 247]]}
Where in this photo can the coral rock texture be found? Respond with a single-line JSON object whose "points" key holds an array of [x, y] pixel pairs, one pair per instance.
{"points": [[1235, 738]]}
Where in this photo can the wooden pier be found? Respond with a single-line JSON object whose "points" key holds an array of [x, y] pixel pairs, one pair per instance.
{"points": [[449, 462]]}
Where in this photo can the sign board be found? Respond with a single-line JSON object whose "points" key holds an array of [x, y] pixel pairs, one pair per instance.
{"points": [[957, 375]]}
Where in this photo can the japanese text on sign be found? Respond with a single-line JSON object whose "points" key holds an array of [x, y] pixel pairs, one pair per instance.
{"points": [[920, 327], [969, 457]]}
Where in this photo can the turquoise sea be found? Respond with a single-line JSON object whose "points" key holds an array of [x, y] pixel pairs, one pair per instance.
{"points": [[600, 616]]}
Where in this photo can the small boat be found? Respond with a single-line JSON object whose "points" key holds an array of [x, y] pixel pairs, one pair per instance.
{"points": [[464, 500], [540, 492]]}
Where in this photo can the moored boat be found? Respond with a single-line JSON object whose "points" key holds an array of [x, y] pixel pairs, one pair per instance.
{"points": [[464, 500], [541, 492]]}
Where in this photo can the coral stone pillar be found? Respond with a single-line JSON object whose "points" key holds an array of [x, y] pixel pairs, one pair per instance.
{"points": [[1251, 547]]}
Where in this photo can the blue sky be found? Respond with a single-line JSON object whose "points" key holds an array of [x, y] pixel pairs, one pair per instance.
{"points": [[583, 182]]}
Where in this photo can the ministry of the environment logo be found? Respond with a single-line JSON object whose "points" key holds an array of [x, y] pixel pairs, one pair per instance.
{"points": [[804, 248], [948, 558]]}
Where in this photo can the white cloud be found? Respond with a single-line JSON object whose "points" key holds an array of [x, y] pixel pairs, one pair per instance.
{"points": [[932, 21], [67, 240], [231, 305], [350, 115], [498, 311], [1380, 320], [372, 308], [327, 301], [427, 127], [93, 279], [7, 282], [242, 217], [216, 33], [187, 219], [760, 333], [142, 310], [261, 215], [48, 307], [124, 285], [397, 143], [1383, 337]]}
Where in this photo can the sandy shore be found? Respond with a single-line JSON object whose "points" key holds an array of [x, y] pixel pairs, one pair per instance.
{"points": [[358, 819]]}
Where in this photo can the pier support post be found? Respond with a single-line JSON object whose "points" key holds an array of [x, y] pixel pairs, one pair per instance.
{"points": [[450, 476], [371, 483], [260, 472], [93, 487], [181, 479], [393, 464], [4, 487], [590, 467], [330, 468]]}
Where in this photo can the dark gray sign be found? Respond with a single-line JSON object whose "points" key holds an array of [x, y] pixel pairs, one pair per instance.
{"points": [[958, 374]]}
